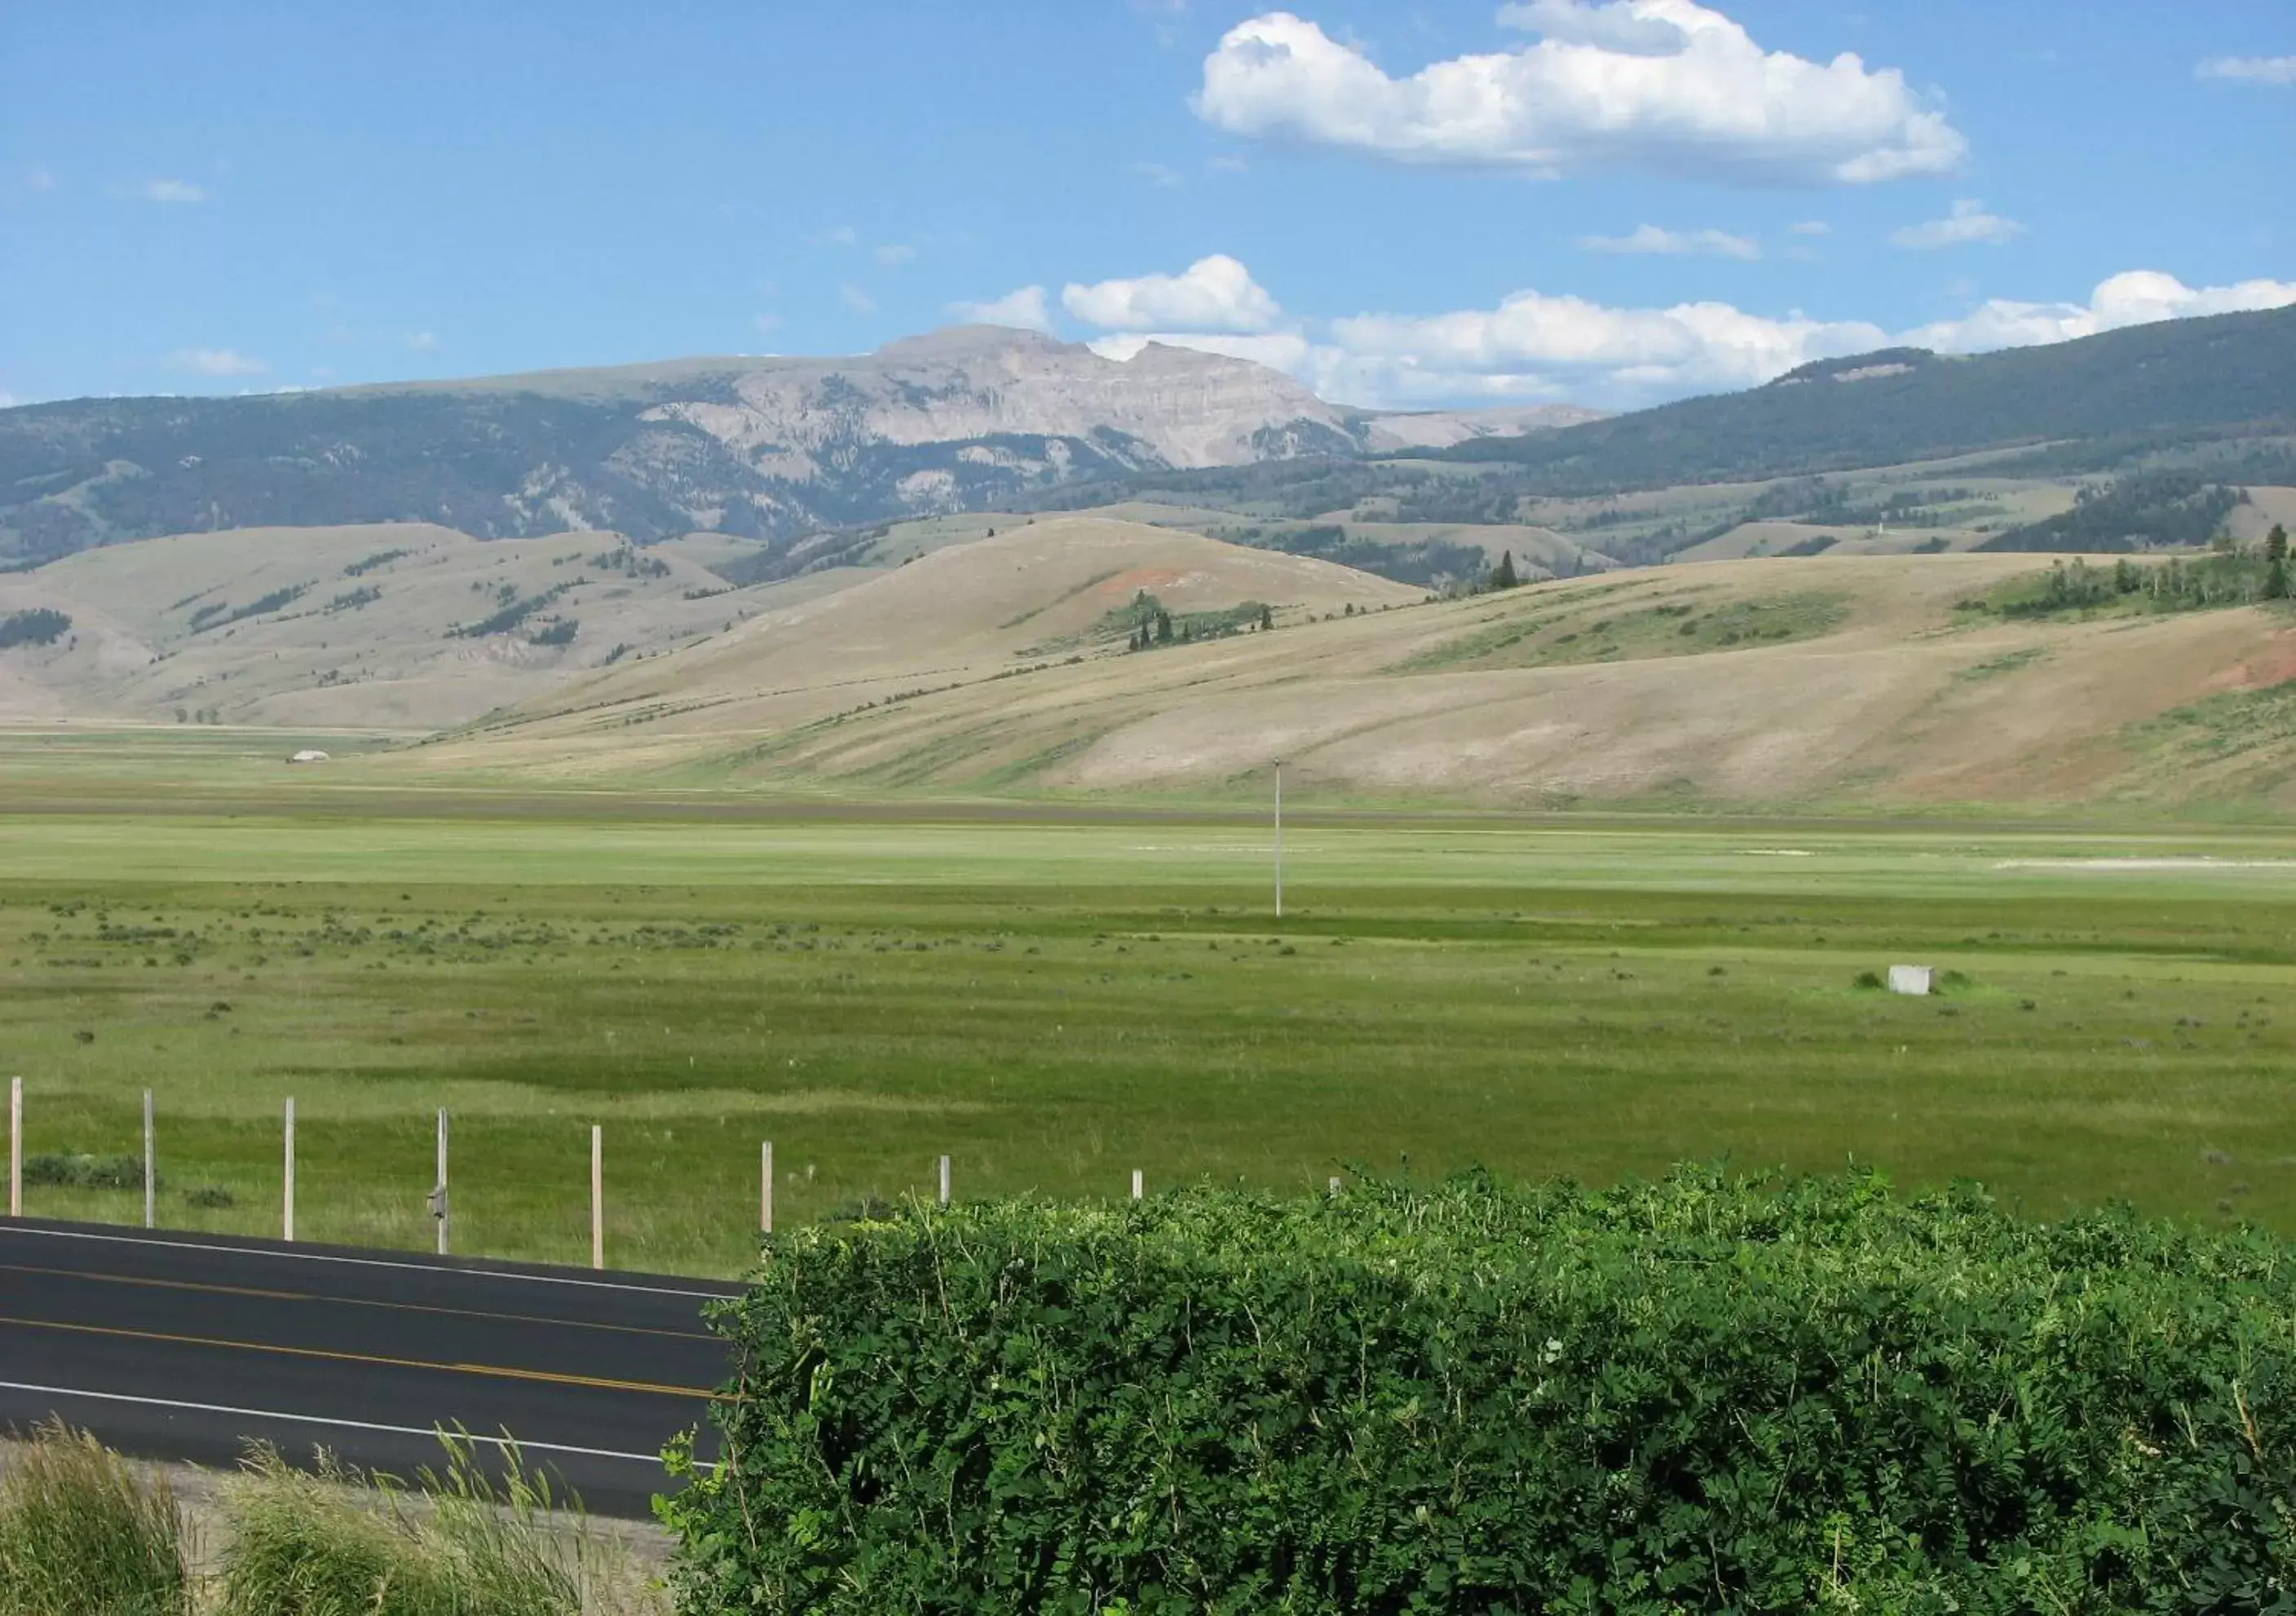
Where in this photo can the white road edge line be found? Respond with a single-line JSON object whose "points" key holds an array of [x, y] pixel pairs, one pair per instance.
{"points": [[319, 1419], [367, 1262]]}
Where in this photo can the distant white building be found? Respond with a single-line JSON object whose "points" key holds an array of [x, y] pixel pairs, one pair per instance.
{"points": [[308, 755]]}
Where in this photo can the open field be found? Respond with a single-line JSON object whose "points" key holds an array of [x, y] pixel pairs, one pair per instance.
{"points": [[1056, 1001]]}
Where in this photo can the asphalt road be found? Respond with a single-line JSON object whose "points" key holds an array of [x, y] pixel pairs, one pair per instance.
{"points": [[190, 1346]]}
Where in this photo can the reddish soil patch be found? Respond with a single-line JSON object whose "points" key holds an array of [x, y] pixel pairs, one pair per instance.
{"points": [[2274, 664], [1150, 578]]}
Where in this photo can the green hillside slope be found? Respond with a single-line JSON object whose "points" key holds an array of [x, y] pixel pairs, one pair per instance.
{"points": [[2178, 377]]}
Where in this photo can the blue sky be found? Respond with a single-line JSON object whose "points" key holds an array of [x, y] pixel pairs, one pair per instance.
{"points": [[1400, 203]]}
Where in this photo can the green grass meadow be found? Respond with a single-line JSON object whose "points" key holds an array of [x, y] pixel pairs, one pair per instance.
{"points": [[1056, 1002]]}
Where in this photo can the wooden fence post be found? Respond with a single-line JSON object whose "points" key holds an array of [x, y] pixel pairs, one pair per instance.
{"points": [[439, 1206], [151, 1169], [765, 1188], [287, 1204], [597, 1197]]}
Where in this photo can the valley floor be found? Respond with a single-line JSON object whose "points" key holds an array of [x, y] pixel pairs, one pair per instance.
{"points": [[1056, 1000]]}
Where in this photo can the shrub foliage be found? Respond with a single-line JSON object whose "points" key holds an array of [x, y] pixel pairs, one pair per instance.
{"points": [[40, 626], [1703, 1394], [85, 1172]]}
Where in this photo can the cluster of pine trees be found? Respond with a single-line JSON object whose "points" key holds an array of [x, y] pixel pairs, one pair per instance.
{"points": [[40, 626], [2227, 575], [1153, 626]]}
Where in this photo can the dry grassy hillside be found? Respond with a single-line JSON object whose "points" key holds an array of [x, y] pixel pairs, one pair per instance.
{"points": [[1036, 597], [1826, 679], [344, 627]]}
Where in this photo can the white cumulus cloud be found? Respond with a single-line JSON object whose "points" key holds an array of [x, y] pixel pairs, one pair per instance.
{"points": [[173, 191], [2136, 297], [1968, 223], [1213, 294], [1535, 346], [1673, 349], [215, 362], [1607, 86], [857, 299], [2254, 70], [1651, 239], [1024, 307], [1629, 30], [423, 342], [892, 254], [1810, 227]]}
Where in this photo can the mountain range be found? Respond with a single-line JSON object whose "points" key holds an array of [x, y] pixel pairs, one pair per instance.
{"points": [[766, 448], [802, 459], [853, 573]]}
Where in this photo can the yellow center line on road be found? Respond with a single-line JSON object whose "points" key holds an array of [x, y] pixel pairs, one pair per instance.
{"points": [[371, 1360], [354, 1301]]}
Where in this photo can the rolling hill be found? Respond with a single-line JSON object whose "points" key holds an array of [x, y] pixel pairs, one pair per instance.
{"points": [[1823, 681], [394, 626]]}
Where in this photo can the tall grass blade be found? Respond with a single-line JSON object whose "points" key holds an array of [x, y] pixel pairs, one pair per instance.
{"points": [[83, 1534]]}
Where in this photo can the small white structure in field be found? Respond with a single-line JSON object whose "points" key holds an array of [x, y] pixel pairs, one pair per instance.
{"points": [[308, 755], [1909, 979]]}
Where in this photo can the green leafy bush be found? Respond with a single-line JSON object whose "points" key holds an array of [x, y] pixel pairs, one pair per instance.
{"points": [[1701, 1394], [84, 1172]]}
